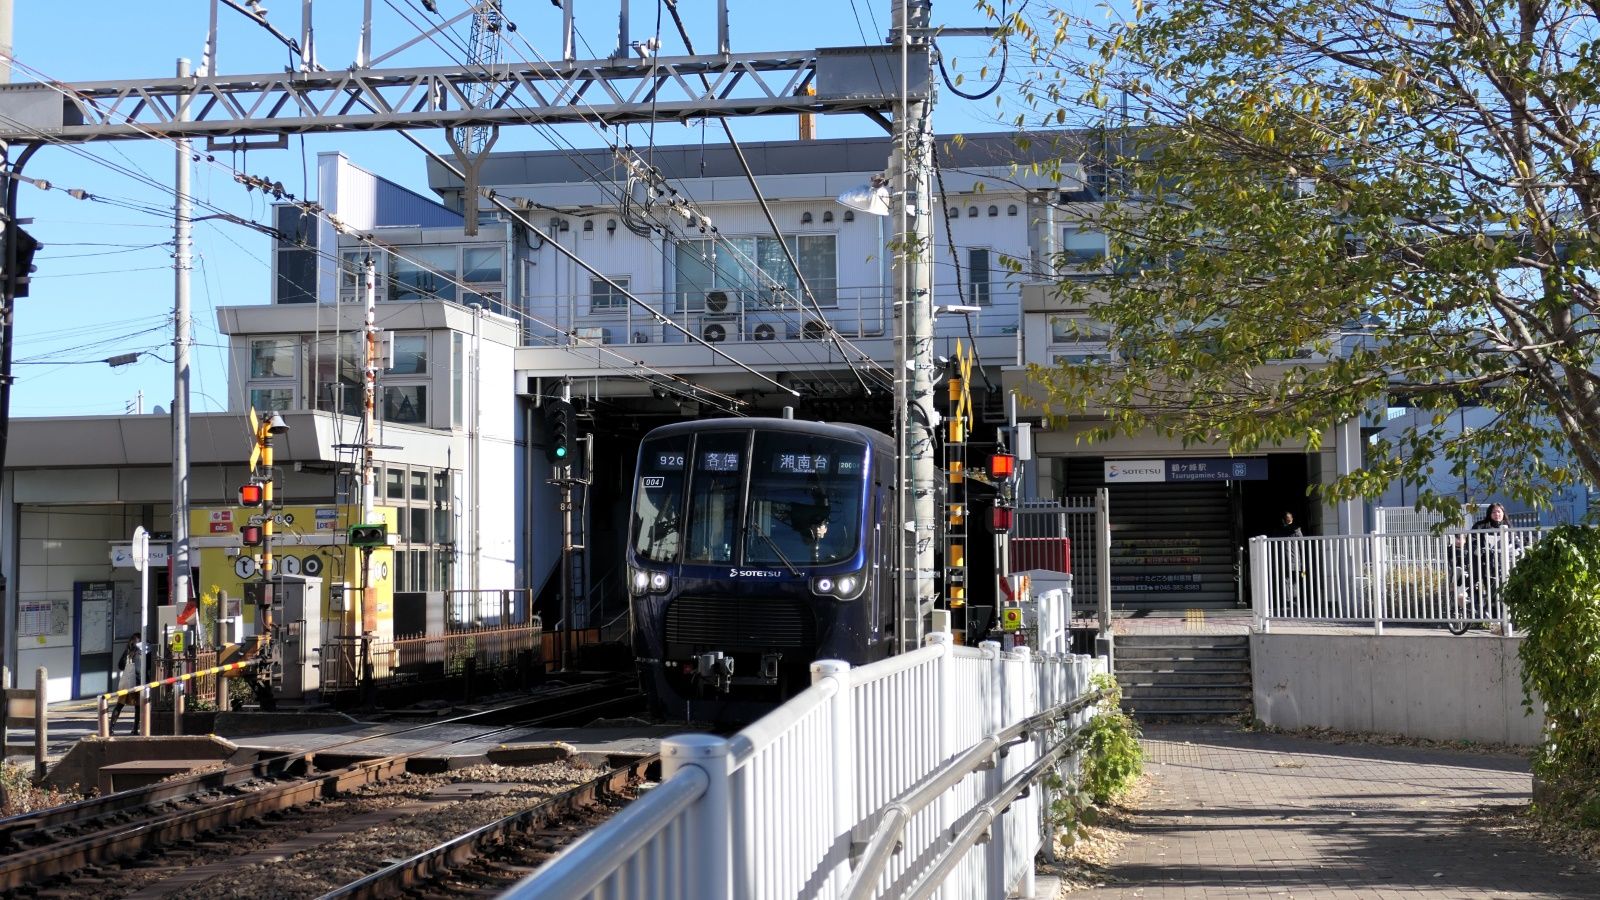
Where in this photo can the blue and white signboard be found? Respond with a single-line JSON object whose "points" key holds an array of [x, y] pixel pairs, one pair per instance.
{"points": [[1237, 468], [1157, 471], [1133, 471]]}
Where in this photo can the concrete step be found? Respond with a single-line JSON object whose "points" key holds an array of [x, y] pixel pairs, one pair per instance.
{"points": [[1179, 639], [1151, 706], [1184, 678], [1160, 692], [1185, 655]]}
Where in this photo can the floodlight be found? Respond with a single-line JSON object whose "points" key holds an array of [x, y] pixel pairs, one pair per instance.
{"points": [[871, 198]]}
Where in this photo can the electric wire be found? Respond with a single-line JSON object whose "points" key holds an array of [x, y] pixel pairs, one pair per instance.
{"points": [[599, 180], [687, 388], [750, 265]]}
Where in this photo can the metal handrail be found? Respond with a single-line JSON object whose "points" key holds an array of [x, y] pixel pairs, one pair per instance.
{"points": [[894, 816], [979, 820]]}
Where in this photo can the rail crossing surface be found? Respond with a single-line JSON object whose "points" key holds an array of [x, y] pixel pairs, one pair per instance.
{"points": [[1240, 814]]}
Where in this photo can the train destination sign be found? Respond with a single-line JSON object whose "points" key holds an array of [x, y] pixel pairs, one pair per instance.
{"points": [[801, 463]]}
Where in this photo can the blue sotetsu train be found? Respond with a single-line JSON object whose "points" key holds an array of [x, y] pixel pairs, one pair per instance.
{"points": [[755, 549]]}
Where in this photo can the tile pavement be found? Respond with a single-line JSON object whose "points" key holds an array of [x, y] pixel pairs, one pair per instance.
{"points": [[1234, 814]]}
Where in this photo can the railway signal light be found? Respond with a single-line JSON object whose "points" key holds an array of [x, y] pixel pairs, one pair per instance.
{"points": [[251, 494], [250, 535], [561, 418], [376, 535], [1002, 465], [1001, 519]]}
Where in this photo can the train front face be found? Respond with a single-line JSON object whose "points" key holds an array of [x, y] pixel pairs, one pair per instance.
{"points": [[748, 560]]}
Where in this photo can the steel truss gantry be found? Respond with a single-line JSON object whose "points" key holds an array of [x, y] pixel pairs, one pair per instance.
{"points": [[609, 91]]}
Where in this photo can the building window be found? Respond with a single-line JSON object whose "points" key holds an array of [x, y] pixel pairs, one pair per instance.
{"points": [[757, 270], [458, 379], [337, 362], [978, 275], [481, 265], [423, 273], [1083, 247], [352, 270], [410, 355], [1079, 339], [405, 404], [272, 399], [424, 555], [272, 358], [295, 255], [607, 295]]}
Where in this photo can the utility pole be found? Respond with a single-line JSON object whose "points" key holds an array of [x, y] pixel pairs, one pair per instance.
{"points": [[913, 296], [181, 224], [367, 619]]}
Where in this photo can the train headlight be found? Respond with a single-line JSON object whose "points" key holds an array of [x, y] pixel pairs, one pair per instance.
{"points": [[843, 587], [638, 581], [659, 581]]}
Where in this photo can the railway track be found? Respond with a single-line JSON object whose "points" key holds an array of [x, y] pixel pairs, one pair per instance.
{"points": [[45, 848], [489, 859]]}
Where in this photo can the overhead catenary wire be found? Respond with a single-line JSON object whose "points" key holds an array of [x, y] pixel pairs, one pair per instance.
{"points": [[751, 265], [633, 368], [622, 155], [639, 169]]}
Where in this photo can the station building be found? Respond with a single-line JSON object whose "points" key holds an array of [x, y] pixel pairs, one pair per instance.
{"points": [[490, 328]]}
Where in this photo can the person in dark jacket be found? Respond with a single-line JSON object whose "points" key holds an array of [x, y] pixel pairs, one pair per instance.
{"points": [[1288, 527], [127, 679]]}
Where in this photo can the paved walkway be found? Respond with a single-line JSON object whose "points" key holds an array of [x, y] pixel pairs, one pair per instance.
{"points": [[1234, 814]]}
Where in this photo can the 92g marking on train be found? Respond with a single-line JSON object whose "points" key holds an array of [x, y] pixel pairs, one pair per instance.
{"points": [[754, 573]]}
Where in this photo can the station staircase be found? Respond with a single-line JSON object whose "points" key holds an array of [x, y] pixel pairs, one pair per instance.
{"points": [[1184, 677]]}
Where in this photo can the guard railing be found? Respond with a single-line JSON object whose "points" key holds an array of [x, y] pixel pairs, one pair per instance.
{"points": [[1386, 579], [877, 781]]}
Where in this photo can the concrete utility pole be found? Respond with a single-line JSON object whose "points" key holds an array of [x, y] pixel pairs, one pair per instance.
{"points": [[181, 224], [910, 167], [366, 620]]}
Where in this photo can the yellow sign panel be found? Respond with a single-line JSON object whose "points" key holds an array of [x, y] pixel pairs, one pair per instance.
{"points": [[306, 540], [1011, 618]]}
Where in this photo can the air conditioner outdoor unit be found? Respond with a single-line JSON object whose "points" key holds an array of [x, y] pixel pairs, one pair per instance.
{"points": [[641, 337], [714, 333], [716, 301], [763, 332], [596, 334], [814, 330]]}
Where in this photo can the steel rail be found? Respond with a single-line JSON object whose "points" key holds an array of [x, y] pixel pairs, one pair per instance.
{"points": [[408, 873], [17, 829], [62, 856]]}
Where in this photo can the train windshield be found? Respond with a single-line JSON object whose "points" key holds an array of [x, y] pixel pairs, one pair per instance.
{"points": [[658, 496], [805, 500], [719, 458], [803, 507]]}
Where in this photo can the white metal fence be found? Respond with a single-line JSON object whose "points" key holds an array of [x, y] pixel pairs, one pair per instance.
{"points": [[1380, 579], [871, 783]]}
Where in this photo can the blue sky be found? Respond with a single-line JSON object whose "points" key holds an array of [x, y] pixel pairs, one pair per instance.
{"points": [[104, 285]]}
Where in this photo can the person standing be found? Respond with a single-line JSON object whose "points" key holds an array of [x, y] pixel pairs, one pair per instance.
{"points": [[127, 680], [1493, 550]]}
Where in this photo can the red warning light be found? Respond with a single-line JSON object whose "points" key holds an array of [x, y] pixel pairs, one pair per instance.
{"points": [[1002, 465]]}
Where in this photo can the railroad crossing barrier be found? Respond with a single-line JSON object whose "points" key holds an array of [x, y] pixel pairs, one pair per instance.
{"points": [[877, 781], [24, 707], [106, 698]]}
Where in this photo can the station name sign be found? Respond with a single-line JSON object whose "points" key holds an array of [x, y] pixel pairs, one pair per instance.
{"points": [[1156, 471]]}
